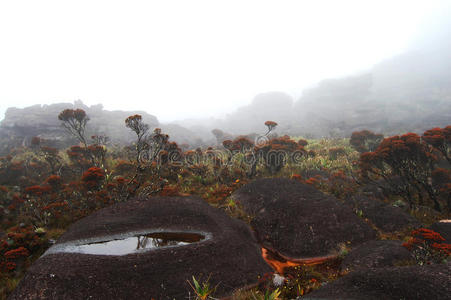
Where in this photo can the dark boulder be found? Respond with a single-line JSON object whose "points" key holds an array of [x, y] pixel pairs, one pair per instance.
{"points": [[384, 216], [229, 256], [376, 254], [411, 282], [297, 220]]}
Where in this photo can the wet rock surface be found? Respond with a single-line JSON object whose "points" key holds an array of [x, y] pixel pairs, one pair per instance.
{"points": [[376, 254], [230, 257], [297, 220], [412, 282]]}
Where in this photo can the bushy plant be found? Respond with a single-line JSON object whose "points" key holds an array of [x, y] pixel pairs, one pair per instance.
{"points": [[74, 121], [202, 290], [440, 139], [365, 140], [405, 165], [278, 152], [335, 152], [428, 246]]}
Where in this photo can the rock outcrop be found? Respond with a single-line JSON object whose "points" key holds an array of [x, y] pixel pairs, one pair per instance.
{"points": [[376, 254], [229, 256], [384, 216], [297, 220], [20, 125], [412, 282]]}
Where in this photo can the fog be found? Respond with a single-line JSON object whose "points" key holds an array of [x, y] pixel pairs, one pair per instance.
{"points": [[322, 68]]}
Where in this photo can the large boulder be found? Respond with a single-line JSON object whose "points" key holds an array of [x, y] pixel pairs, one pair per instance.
{"points": [[228, 255], [296, 220], [411, 282], [384, 216], [376, 254]]}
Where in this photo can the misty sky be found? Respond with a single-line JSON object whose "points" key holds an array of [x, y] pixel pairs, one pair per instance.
{"points": [[180, 59]]}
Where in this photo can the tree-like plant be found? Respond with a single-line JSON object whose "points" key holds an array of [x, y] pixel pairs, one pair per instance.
{"points": [[278, 152], [271, 125], [74, 121], [136, 124], [440, 139], [405, 165]]}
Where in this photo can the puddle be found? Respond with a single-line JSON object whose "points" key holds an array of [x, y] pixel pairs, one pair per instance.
{"points": [[131, 244]]}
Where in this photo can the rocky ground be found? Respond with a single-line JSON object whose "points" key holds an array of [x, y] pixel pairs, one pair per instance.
{"points": [[292, 220]]}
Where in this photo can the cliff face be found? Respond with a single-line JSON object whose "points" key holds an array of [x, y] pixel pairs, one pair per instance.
{"points": [[20, 125], [409, 92]]}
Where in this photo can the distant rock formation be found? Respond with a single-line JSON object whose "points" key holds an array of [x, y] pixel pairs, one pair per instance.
{"points": [[182, 136], [274, 106], [408, 92], [21, 124]]}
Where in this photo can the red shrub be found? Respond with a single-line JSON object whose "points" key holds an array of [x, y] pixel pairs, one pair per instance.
{"points": [[440, 139], [405, 164], [17, 253], [93, 178], [302, 142], [340, 185], [54, 181], [365, 140], [278, 152], [334, 153], [37, 190], [124, 167], [296, 177], [427, 246]]}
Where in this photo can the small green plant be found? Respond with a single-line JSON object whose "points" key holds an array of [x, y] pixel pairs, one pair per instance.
{"points": [[359, 213], [203, 291], [273, 295], [343, 250], [268, 295]]}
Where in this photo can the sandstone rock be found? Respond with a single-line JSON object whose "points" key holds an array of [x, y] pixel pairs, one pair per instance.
{"points": [[229, 256], [386, 217], [376, 254], [412, 282], [297, 220]]}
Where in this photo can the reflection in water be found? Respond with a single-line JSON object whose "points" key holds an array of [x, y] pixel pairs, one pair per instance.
{"points": [[135, 244]]}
